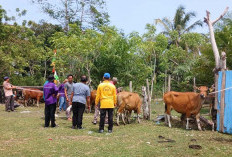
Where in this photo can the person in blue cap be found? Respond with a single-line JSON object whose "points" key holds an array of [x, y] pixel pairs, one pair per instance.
{"points": [[9, 96], [106, 95]]}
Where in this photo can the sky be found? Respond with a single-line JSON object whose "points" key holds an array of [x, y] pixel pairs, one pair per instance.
{"points": [[133, 15]]}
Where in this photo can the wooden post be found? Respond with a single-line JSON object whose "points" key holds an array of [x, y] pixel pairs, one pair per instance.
{"points": [[169, 83], [145, 103], [149, 99], [131, 90], [222, 102]]}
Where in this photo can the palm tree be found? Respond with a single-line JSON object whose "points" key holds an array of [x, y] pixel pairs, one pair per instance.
{"points": [[179, 23]]}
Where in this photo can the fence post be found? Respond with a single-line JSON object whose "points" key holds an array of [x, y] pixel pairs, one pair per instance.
{"points": [[222, 103], [145, 103]]}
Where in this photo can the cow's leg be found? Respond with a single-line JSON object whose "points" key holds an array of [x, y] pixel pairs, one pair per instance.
{"points": [[118, 115], [188, 115], [168, 114], [38, 101], [187, 124], [198, 121], [129, 117], [169, 122], [123, 118], [25, 101], [120, 111], [138, 118], [138, 112]]}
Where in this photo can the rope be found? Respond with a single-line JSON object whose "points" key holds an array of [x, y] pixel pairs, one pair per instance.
{"points": [[220, 90]]}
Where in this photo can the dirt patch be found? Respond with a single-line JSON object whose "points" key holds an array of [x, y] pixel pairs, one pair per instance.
{"points": [[14, 142], [164, 140], [222, 140], [194, 146]]}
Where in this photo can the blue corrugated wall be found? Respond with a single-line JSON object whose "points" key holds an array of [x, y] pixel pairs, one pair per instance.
{"points": [[228, 103]]}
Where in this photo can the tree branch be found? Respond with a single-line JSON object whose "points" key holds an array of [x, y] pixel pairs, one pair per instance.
{"points": [[221, 16], [174, 62]]}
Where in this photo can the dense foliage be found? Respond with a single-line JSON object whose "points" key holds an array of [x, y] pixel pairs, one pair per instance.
{"points": [[26, 50]]}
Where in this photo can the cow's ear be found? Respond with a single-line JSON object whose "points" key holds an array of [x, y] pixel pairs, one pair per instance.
{"points": [[195, 87]]}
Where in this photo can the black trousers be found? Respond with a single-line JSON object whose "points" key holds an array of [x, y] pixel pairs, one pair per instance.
{"points": [[50, 115], [78, 111], [110, 118], [9, 103]]}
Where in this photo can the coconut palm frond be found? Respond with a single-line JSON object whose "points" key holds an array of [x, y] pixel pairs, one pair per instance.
{"points": [[179, 16], [157, 21], [194, 25], [187, 18]]}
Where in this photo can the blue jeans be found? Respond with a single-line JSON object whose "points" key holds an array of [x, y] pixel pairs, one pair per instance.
{"points": [[62, 102]]}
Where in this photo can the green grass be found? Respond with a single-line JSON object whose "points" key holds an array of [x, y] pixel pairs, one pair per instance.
{"points": [[22, 134]]}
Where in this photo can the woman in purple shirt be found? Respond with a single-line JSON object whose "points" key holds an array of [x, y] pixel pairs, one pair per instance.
{"points": [[61, 95], [50, 97]]}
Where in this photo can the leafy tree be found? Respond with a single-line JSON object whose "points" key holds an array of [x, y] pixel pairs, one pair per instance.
{"points": [[179, 25], [85, 13]]}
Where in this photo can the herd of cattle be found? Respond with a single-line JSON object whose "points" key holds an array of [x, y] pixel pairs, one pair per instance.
{"points": [[188, 104]]}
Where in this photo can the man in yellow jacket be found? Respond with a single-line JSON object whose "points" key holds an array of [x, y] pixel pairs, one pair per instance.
{"points": [[106, 94]]}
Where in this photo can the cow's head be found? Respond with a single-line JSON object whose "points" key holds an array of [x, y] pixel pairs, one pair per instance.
{"points": [[203, 90]]}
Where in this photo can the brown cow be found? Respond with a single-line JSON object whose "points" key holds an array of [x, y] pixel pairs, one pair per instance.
{"points": [[32, 93], [93, 95], [128, 101], [188, 103], [209, 99]]}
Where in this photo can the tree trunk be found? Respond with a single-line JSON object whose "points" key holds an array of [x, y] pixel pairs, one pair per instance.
{"points": [[194, 84], [130, 85], [169, 83], [165, 81], [45, 69], [153, 80], [214, 47], [66, 28], [149, 99]]}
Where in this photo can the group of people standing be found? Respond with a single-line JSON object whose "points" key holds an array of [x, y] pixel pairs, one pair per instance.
{"points": [[76, 96], [72, 97]]}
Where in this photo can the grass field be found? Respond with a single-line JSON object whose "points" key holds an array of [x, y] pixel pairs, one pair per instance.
{"points": [[22, 134]]}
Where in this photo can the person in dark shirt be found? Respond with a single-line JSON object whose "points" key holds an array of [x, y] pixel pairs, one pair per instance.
{"points": [[50, 95]]}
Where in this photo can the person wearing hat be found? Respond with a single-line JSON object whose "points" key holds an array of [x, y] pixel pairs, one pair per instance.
{"points": [[50, 95], [96, 113], [106, 95], [9, 96]]}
